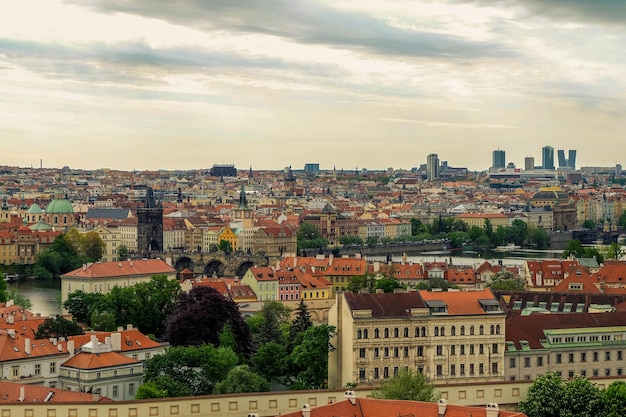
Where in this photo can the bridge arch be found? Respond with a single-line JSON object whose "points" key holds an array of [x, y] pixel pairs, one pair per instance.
{"points": [[182, 263], [243, 267], [214, 267]]}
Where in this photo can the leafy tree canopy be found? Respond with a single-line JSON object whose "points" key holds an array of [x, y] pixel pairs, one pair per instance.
{"points": [[406, 385], [57, 326], [506, 280], [312, 343], [240, 379]]}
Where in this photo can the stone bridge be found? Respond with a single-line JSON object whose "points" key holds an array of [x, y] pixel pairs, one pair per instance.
{"points": [[218, 264]]}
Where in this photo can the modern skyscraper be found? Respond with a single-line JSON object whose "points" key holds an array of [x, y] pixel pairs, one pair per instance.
{"points": [[498, 159], [570, 161], [547, 157], [529, 163], [432, 167]]}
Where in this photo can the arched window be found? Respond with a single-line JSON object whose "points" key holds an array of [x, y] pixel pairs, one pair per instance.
{"points": [[491, 331], [462, 330], [497, 329], [396, 332], [423, 331], [359, 333], [481, 329], [471, 330], [417, 332], [406, 332], [386, 333], [365, 334], [453, 331], [436, 331], [376, 333], [442, 331]]}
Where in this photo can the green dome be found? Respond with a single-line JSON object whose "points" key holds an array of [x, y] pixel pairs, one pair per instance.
{"points": [[34, 209], [60, 206], [40, 226]]}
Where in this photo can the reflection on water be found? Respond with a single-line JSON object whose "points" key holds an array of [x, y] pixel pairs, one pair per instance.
{"points": [[45, 295]]}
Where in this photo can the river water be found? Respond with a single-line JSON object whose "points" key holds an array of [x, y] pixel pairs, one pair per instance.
{"points": [[45, 295]]}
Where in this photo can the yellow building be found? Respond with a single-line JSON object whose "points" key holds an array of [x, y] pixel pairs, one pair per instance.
{"points": [[448, 336], [478, 219], [228, 235]]}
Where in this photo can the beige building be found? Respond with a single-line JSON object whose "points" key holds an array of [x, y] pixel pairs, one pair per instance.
{"points": [[448, 336], [100, 277]]}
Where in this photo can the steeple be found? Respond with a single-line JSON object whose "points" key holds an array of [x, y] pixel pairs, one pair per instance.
{"points": [[250, 176], [243, 202]]}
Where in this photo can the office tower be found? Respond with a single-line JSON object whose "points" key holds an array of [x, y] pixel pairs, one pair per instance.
{"points": [[432, 167], [547, 157], [498, 159], [569, 162], [529, 163]]}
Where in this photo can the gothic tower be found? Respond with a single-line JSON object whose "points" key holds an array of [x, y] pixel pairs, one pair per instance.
{"points": [[150, 225]]}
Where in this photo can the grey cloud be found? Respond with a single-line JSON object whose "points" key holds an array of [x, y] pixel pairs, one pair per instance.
{"points": [[576, 11], [305, 22]]}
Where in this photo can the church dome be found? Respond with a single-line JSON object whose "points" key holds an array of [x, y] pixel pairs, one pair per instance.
{"points": [[41, 226], [34, 209], [60, 206]]}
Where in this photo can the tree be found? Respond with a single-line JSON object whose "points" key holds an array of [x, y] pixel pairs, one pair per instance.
{"points": [[574, 248], [240, 379], [225, 246], [388, 284], [589, 224], [17, 298], [192, 370], [199, 317], [4, 295], [271, 361], [93, 246], [82, 305], [309, 237], [614, 251], [57, 326], [551, 396], [362, 282], [302, 321], [150, 390], [406, 385], [613, 400], [519, 232], [506, 280], [270, 329], [122, 253], [538, 236], [312, 343]]}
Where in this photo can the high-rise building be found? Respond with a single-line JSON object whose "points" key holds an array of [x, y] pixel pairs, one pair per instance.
{"points": [[529, 163], [432, 167], [569, 162], [498, 159], [547, 157]]}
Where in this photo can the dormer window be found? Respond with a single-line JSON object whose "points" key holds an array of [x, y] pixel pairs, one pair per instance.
{"points": [[437, 307]]}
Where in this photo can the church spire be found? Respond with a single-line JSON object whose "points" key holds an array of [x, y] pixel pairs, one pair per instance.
{"points": [[243, 202]]}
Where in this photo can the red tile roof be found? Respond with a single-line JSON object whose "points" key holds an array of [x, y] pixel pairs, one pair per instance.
{"points": [[88, 360], [460, 302], [122, 268], [11, 393]]}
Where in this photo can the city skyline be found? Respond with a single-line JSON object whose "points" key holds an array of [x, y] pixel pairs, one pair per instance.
{"points": [[136, 86]]}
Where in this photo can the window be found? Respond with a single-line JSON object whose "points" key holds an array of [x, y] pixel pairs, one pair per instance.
{"points": [[386, 352], [481, 330], [436, 331], [439, 370], [53, 367], [396, 332], [595, 356], [607, 356], [376, 353], [37, 369], [462, 349], [595, 372], [453, 369], [491, 329], [395, 370], [453, 331], [471, 349], [406, 351], [497, 329], [619, 371], [376, 374], [540, 361], [583, 356], [570, 374], [570, 358], [494, 348], [442, 330], [417, 332], [471, 369], [15, 371], [481, 349], [386, 333], [607, 372], [619, 355], [453, 350], [512, 363], [361, 352], [359, 333], [462, 369], [481, 368], [439, 350], [131, 389], [361, 373], [462, 330], [386, 372], [526, 362], [115, 391], [558, 358], [396, 352], [365, 333], [420, 351], [376, 334], [406, 332], [471, 330], [494, 368]]}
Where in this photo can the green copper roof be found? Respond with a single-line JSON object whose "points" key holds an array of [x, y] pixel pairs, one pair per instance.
{"points": [[60, 206]]}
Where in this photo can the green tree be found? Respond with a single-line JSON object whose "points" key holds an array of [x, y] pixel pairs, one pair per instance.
{"points": [[506, 280], [614, 251], [406, 385], [150, 390], [103, 321], [519, 232], [388, 284], [192, 370], [574, 248], [270, 329], [362, 282], [350, 240], [583, 398], [302, 321], [538, 236], [312, 343], [271, 362], [4, 294], [82, 305], [93, 246], [613, 400], [309, 236], [589, 224], [17, 298], [57, 326], [545, 397], [241, 379], [122, 253], [225, 246]]}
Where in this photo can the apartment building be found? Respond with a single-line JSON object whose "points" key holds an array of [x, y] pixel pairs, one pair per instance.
{"points": [[453, 336]]}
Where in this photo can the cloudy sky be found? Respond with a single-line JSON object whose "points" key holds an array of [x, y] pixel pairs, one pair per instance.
{"points": [[161, 84]]}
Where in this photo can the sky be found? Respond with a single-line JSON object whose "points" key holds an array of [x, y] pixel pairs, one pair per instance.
{"points": [[161, 84]]}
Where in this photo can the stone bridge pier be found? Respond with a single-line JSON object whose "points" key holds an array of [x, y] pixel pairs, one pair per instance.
{"points": [[214, 264]]}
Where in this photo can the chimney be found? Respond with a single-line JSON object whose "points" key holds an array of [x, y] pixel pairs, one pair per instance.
{"points": [[330, 259], [116, 342], [24, 317], [94, 342], [84, 267], [442, 403], [11, 333], [10, 318], [492, 410], [27, 346], [306, 410], [295, 261], [70, 347], [351, 396], [22, 393]]}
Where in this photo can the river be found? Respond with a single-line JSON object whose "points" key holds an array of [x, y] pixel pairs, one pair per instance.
{"points": [[45, 295]]}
